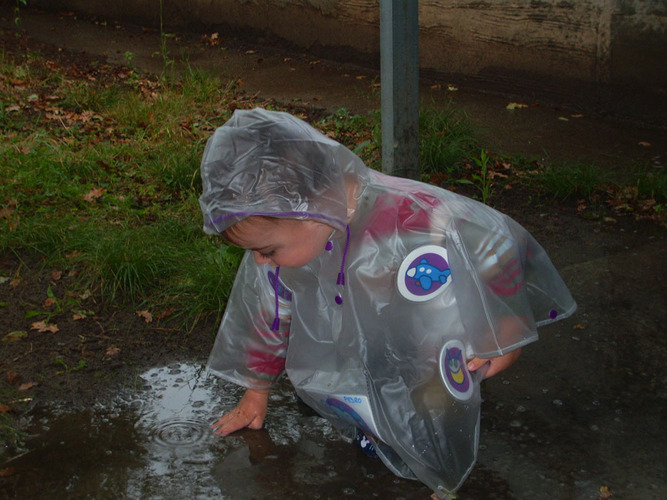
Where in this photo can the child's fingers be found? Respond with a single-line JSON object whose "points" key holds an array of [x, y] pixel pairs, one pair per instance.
{"points": [[231, 422], [476, 363]]}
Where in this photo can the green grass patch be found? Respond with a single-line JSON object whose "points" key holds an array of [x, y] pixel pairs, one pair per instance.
{"points": [[100, 174], [447, 140], [567, 180]]}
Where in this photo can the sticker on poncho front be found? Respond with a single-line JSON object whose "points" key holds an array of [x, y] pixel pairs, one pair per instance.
{"points": [[454, 372], [424, 273]]}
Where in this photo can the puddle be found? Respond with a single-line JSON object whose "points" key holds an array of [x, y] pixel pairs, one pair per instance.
{"points": [[158, 444]]}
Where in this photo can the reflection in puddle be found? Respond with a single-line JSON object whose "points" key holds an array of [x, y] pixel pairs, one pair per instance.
{"points": [[173, 416], [159, 445]]}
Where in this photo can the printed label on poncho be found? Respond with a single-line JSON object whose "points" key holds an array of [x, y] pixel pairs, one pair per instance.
{"points": [[454, 371], [424, 273]]}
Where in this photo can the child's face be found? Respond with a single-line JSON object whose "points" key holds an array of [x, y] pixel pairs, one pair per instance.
{"points": [[280, 242]]}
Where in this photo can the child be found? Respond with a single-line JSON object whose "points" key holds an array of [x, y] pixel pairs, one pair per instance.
{"points": [[385, 300]]}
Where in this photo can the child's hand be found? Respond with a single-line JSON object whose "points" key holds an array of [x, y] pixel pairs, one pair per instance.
{"points": [[496, 365], [250, 412]]}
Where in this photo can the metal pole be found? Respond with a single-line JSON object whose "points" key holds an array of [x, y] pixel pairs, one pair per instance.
{"points": [[399, 73]]}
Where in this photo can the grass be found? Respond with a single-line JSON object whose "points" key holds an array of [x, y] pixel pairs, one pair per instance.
{"points": [[102, 173]]}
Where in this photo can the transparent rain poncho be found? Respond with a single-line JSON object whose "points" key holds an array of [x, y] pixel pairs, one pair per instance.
{"points": [[374, 333]]}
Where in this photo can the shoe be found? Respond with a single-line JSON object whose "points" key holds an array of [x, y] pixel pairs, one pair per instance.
{"points": [[365, 444]]}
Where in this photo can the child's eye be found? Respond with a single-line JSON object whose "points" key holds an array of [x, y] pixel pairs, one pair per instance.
{"points": [[267, 255]]}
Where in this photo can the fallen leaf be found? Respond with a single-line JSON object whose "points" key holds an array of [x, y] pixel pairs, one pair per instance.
{"points": [[165, 313], [93, 194], [14, 336], [452, 88], [605, 493], [12, 377], [56, 275], [78, 316], [4, 279], [43, 326], [27, 386], [49, 302], [4, 408], [577, 115], [516, 105], [563, 119], [112, 351], [579, 326], [148, 317], [7, 471], [644, 143]]}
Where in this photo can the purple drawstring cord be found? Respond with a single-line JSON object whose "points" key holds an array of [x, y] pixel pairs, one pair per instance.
{"points": [[276, 320], [275, 326], [341, 274]]}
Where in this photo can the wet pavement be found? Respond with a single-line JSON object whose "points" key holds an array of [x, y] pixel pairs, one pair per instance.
{"points": [[581, 413], [540, 130]]}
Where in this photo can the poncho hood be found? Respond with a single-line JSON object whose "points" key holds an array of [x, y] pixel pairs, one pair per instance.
{"points": [[272, 164]]}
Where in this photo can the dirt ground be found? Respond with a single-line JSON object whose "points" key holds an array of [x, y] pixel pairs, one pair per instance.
{"points": [[89, 358]]}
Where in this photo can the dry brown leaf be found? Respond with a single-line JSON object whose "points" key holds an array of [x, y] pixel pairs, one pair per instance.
{"points": [[78, 316], [516, 105], [49, 302], [112, 351], [165, 313], [148, 317], [56, 275], [93, 194], [43, 326], [12, 377], [27, 386], [7, 471], [4, 408]]}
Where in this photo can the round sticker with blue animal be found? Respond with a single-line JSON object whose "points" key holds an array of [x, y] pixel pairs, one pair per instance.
{"points": [[454, 371], [424, 273]]}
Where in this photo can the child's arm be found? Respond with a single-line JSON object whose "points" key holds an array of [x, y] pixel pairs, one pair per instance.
{"points": [[250, 412], [496, 365]]}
